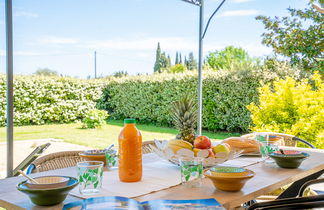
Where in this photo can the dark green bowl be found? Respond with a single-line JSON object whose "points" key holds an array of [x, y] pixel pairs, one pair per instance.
{"points": [[289, 161], [48, 197]]}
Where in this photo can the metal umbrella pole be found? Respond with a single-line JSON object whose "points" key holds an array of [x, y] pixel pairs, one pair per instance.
{"points": [[200, 60], [202, 34], [9, 61]]}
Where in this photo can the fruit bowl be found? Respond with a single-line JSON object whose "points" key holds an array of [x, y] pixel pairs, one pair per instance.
{"points": [[173, 149]]}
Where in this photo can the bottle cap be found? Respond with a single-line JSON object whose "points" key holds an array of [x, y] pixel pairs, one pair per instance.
{"points": [[129, 121]]}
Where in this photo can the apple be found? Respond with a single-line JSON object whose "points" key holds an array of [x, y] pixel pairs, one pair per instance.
{"points": [[202, 142]]}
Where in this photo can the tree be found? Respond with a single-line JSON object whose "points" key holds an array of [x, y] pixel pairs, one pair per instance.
{"points": [[157, 65], [298, 37], [176, 59], [180, 59], [169, 61], [164, 62], [120, 74], [178, 68], [231, 58], [191, 63], [46, 72]]}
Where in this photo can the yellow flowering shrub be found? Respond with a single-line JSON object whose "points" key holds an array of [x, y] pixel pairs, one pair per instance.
{"points": [[291, 107]]}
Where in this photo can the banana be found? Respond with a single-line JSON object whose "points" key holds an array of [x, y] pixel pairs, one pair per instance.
{"points": [[174, 148], [175, 145]]}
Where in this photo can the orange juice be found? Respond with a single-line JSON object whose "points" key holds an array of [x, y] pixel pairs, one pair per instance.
{"points": [[130, 152]]}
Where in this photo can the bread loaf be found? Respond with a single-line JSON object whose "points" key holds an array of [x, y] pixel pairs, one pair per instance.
{"points": [[239, 143]]}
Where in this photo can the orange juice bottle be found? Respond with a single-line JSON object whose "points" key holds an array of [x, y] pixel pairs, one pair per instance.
{"points": [[130, 152]]}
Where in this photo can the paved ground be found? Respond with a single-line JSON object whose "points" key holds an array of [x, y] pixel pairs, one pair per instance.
{"points": [[23, 148]]}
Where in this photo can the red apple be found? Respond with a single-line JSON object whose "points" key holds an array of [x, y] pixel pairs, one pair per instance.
{"points": [[211, 153], [202, 142]]}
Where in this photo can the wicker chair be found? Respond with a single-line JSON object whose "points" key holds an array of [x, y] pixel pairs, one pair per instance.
{"points": [[55, 161], [147, 147], [68, 159], [289, 140]]}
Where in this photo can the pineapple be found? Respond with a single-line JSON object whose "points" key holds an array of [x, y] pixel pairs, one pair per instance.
{"points": [[185, 118]]}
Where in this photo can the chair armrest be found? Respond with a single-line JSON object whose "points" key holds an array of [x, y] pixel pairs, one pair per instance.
{"points": [[307, 184], [295, 206], [287, 201], [303, 141], [30, 158], [30, 169]]}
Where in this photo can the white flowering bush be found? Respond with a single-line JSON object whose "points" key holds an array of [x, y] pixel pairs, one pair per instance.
{"points": [[95, 118], [42, 100]]}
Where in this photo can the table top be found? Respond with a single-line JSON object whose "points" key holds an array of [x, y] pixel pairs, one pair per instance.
{"points": [[268, 178]]}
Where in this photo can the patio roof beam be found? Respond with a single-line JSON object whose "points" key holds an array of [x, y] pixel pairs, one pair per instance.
{"points": [[9, 62]]}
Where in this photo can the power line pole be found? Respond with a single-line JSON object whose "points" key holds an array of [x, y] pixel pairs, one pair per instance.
{"points": [[95, 63]]}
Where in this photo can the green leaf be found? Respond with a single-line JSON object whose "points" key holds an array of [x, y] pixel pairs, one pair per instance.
{"points": [[96, 184], [187, 177], [81, 179], [194, 168]]}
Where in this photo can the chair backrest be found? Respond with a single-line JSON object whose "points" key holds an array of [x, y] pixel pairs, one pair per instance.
{"points": [[288, 139], [147, 146], [68, 159], [55, 160]]}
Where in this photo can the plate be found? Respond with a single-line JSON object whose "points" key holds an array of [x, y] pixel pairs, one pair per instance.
{"points": [[251, 154], [161, 149]]}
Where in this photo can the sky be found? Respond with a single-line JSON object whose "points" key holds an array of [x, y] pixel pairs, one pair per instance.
{"points": [[63, 35]]}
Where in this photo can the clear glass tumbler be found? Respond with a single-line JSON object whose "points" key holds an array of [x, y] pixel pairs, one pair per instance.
{"points": [[191, 171], [268, 144], [90, 176], [111, 158]]}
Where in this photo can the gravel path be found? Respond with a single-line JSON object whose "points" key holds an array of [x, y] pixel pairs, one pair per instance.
{"points": [[23, 148]]}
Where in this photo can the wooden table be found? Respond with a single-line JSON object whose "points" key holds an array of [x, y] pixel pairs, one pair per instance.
{"points": [[268, 178]]}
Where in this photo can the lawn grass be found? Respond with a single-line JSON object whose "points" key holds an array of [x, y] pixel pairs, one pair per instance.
{"points": [[96, 138]]}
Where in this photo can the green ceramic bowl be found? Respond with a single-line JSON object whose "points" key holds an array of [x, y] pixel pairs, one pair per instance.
{"points": [[48, 197], [289, 160]]}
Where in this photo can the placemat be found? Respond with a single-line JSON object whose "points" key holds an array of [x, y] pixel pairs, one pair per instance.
{"points": [[242, 162], [157, 175]]}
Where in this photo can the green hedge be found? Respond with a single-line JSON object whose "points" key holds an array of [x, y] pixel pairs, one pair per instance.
{"points": [[42, 100], [225, 96]]}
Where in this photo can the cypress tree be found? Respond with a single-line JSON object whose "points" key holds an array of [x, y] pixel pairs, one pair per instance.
{"points": [[180, 59], [157, 65], [169, 61], [163, 61], [185, 62], [176, 59], [192, 63]]}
